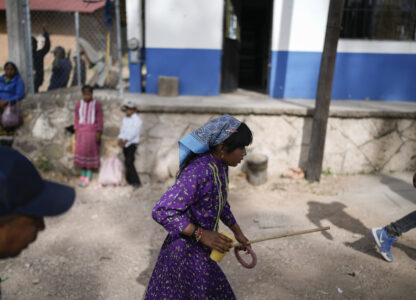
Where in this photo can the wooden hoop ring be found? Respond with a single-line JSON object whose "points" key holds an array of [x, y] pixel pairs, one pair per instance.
{"points": [[241, 260]]}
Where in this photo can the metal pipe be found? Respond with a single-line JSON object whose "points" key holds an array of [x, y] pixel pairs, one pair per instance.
{"points": [[78, 49], [120, 63], [28, 46]]}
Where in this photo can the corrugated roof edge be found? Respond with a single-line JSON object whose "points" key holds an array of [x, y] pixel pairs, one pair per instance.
{"points": [[62, 6]]}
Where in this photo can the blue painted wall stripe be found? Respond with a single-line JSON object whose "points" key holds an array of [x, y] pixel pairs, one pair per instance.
{"points": [[357, 76], [135, 79], [198, 70], [292, 74]]}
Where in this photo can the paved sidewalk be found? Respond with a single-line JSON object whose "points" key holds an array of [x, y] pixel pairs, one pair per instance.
{"points": [[240, 102], [245, 102]]}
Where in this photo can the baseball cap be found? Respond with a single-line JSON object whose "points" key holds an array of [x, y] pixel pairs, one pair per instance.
{"points": [[23, 191], [129, 104]]}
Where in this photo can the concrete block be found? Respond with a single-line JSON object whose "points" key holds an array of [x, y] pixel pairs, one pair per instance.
{"points": [[410, 132], [404, 159], [379, 151], [168, 86], [43, 129]]}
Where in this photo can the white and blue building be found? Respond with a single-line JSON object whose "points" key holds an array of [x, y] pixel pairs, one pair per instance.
{"points": [[274, 47]]}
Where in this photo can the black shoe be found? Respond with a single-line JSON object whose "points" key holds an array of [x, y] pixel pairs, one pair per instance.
{"points": [[136, 185]]}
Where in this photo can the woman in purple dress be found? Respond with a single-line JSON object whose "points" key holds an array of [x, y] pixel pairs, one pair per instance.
{"points": [[190, 211]]}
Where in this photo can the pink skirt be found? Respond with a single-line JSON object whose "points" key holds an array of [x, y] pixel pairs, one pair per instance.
{"points": [[87, 150]]}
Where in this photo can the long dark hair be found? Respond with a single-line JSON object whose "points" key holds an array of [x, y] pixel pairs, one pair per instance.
{"points": [[241, 138]]}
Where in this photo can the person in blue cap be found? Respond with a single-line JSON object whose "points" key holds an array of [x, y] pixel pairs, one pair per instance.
{"points": [[25, 199]]}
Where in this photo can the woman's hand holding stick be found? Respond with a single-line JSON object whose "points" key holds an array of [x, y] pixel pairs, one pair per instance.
{"points": [[239, 236]]}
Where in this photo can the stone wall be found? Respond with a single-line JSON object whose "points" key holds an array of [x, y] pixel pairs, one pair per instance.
{"points": [[353, 145]]}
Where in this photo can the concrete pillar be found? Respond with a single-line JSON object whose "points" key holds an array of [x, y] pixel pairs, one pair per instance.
{"points": [[134, 43], [18, 40]]}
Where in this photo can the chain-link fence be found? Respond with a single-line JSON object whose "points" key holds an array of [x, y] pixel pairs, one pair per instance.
{"points": [[4, 49], [59, 29]]}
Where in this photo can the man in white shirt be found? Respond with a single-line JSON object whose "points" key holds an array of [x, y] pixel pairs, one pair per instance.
{"points": [[128, 139]]}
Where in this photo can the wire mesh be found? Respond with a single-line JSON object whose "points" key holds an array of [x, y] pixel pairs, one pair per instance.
{"points": [[97, 44], [4, 49], [379, 19]]}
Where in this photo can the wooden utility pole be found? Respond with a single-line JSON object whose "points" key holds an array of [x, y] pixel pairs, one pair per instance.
{"points": [[323, 95]]}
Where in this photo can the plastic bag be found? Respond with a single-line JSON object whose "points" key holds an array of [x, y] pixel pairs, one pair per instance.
{"points": [[12, 115], [111, 171]]}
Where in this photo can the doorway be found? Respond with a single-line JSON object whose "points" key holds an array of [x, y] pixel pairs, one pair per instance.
{"points": [[246, 45]]}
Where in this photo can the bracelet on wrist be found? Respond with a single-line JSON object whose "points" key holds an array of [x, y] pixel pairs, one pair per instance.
{"points": [[198, 234], [194, 233]]}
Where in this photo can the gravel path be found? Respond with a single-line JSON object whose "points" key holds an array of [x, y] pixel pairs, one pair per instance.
{"points": [[105, 247]]}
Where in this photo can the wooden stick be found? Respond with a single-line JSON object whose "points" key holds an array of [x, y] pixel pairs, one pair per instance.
{"points": [[283, 235]]}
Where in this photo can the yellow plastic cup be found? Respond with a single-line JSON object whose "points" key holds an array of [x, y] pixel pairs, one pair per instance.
{"points": [[217, 255]]}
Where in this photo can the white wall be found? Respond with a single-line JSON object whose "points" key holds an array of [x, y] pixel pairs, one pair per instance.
{"points": [[280, 38], [366, 46], [299, 25], [133, 11], [195, 24]]}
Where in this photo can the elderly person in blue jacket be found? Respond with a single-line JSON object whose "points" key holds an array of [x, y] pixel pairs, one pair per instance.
{"points": [[12, 89]]}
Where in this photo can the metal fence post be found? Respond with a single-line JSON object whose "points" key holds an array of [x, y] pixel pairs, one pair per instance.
{"points": [[77, 47], [120, 63], [28, 46]]}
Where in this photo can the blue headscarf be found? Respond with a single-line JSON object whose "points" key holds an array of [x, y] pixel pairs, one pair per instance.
{"points": [[209, 135]]}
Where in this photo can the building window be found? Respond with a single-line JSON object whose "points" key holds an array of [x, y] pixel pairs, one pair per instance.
{"points": [[379, 19]]}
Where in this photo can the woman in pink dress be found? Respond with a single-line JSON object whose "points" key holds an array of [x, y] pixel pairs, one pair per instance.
{"points": [[88, 127]]}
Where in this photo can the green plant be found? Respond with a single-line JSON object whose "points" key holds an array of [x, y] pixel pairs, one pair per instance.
{"points": [[327, 172], [278, 186], [43, 163]]}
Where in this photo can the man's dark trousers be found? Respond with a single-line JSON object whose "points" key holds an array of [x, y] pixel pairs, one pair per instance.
{"points": [[129, 156], [403, 225]]}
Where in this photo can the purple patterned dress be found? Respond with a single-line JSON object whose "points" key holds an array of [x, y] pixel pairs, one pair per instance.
{"points": [[183, 269]]}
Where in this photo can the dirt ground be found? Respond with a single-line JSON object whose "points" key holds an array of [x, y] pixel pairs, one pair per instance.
{"points": [[105, 247]]}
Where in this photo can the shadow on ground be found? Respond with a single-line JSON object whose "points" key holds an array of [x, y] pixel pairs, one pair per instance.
{"points": [[334, 212], [402, 188], [144, 276], [60, 273]]}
